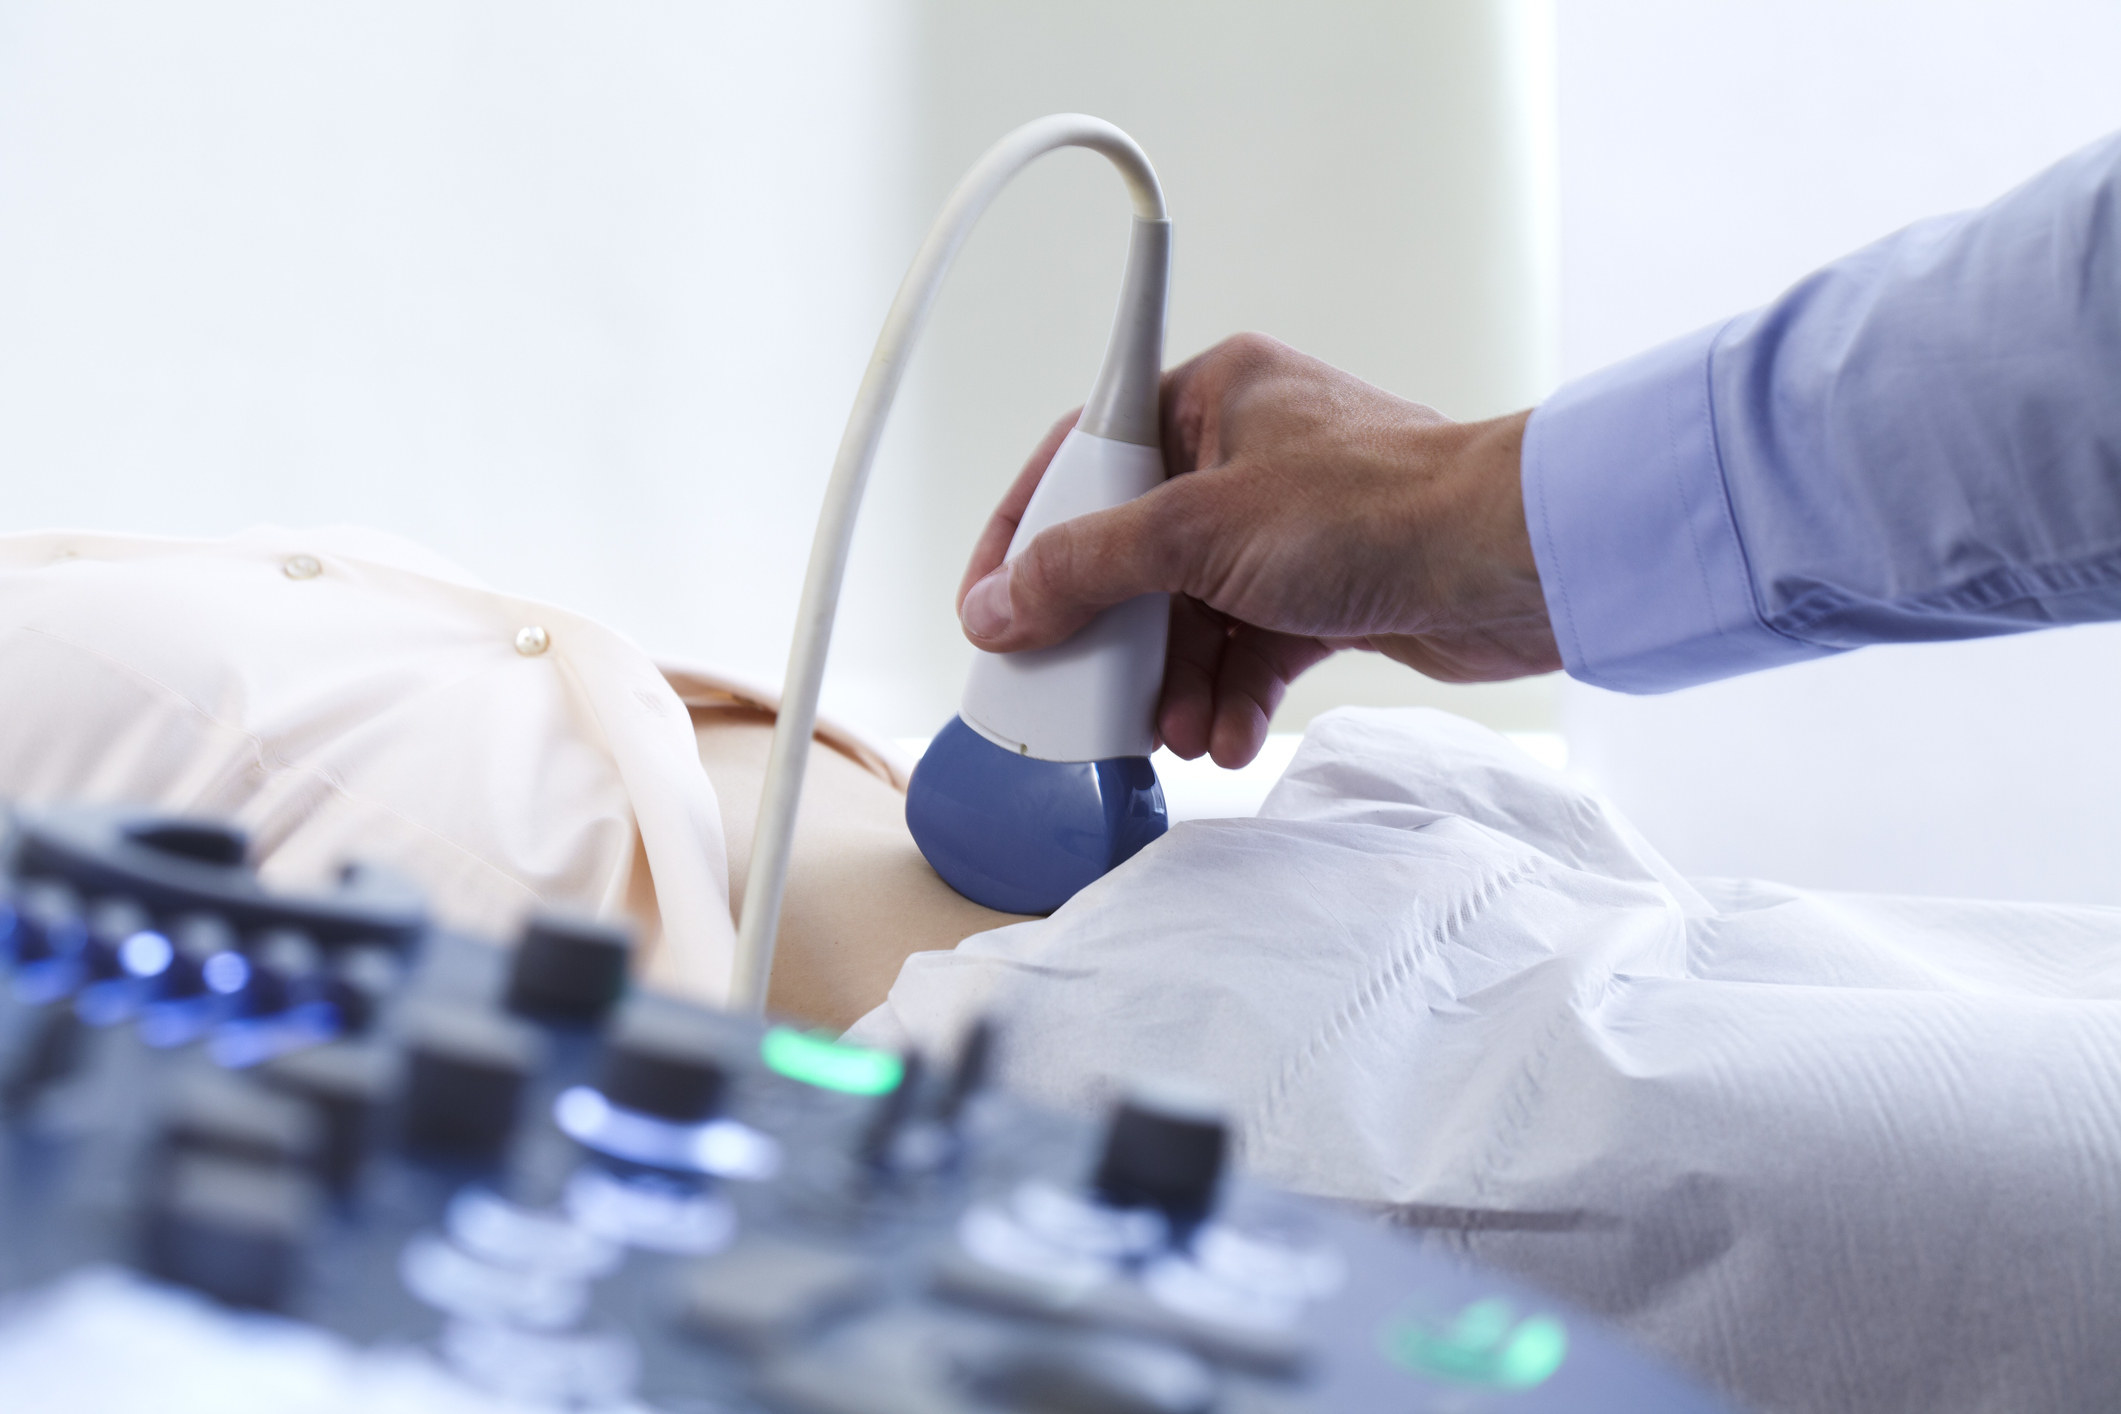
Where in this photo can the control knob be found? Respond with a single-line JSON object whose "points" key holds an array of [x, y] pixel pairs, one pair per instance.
{"points": [[569, 970], [1164, 1150], [661, 1060], [232, 1229], [465, 1072]]}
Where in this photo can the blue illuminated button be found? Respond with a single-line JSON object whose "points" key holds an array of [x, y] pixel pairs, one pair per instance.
{"points": [[1484, 1344], [146, 954], [113, 924], [226, 974], [195, 942]]}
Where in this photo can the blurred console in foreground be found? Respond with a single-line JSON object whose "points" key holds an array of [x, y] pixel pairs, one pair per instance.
{"points": [[472, 1178]]}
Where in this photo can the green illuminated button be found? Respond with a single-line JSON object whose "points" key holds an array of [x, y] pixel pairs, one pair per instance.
{"points": [[816, 1059], [1485, 1344]]}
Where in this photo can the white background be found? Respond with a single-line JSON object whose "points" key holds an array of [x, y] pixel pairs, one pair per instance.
{"points": [[570, 292], [1711, 155]]}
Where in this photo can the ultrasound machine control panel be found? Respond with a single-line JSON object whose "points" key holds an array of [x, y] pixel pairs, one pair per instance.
{"points": [[226, 1110]]}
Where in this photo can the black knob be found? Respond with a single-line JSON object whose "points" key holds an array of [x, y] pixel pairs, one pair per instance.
{"points": [[1164, 1150], [570, 970], [48, 923], [213, 1111], [359, 981], [51, 1053], [888, 1122], [662, 1060], [231, 1229], [285, 964], [347, 1085], [465, 1070]]}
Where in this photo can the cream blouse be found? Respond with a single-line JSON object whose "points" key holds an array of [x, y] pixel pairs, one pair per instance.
{"points": [[343, 694]]}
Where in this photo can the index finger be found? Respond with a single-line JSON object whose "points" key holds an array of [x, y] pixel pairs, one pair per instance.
{"points": [[993, 545]]}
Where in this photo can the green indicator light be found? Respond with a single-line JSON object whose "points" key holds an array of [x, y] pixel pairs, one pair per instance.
{"points": [[1535, 1351], [816, 1059], [1485, 1344]]}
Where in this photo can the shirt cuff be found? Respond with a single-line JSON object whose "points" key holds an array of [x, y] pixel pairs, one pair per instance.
{"points": [[1645, 577]]}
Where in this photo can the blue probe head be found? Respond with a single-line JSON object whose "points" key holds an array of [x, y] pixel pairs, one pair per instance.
{"points": [[1024, 835]]}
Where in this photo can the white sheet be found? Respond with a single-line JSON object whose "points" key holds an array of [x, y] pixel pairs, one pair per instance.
{"points": [[1827, 1151]]}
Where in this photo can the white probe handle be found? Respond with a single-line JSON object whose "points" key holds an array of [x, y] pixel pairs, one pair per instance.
{"points": [[1093, 697]]}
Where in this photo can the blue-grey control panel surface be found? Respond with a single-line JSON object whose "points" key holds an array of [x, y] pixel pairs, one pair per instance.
{"points": [[497, 1178]]}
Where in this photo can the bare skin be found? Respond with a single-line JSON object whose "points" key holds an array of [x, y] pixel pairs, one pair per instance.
{"points": [[1306, 512], [860, 897]]}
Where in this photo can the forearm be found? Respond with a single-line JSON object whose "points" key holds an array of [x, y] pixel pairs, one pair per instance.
{"points": [[1922, 441]]}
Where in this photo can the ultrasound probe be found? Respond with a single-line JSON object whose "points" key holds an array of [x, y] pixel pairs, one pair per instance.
{"points": [[1042, 781]]}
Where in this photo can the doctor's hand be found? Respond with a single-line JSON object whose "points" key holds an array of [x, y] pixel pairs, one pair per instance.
{"points": [[1305, 512]]}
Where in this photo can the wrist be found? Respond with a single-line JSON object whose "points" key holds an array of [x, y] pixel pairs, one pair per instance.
{"points": [[1476, 521], [1483, 605]]}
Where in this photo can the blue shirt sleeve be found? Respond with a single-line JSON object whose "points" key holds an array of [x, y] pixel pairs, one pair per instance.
{"points": [[1921, 441]]}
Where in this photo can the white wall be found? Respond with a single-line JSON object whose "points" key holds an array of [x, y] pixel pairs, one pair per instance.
{"points": [[1710, 155], [575, 293]]}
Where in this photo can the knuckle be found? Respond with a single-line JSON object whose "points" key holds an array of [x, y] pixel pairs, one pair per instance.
{"points": [[1252, 349]]}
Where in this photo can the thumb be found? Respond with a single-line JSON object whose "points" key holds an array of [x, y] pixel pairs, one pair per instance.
{"points": [[1072, 571]]}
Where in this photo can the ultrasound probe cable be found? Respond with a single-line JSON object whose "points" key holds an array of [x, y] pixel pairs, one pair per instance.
{"points": [[774, 833]]}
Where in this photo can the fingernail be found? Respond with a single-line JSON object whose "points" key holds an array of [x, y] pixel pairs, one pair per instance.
{"points": [[987, 612]]}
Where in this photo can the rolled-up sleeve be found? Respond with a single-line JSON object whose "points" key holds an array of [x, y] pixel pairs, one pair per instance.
{"points": [[1921, 441]]}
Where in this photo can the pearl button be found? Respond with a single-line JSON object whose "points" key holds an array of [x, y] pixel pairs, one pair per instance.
{"points": [[532, 640], [301, 567]]}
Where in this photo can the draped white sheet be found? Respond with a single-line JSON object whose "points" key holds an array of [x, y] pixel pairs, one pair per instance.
{"points": [[1830, 1152]]}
